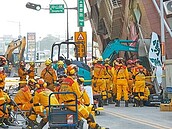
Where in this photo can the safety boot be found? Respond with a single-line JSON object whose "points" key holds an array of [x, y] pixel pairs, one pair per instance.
{"points": [[110, 100], [114, 98], [136, 103], [105, 102], [30, 125], [7, 122], [126, 103], [117, 103], [3, 125], [100, 103], [141, 103]]}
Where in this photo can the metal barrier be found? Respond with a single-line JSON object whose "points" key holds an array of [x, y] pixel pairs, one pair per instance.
{"points": [[60, 116]]}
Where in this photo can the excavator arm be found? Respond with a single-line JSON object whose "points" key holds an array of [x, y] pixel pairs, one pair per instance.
{"points": [[11, 47], [118, 45], [20, 44], [22, 48]]}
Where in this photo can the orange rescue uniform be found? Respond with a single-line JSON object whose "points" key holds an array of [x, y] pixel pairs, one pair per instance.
{"points": [[50, 76], [2, 79], [23, 98]]}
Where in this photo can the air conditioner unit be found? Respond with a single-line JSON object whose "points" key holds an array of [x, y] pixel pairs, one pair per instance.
{"points": [[168, 7]]}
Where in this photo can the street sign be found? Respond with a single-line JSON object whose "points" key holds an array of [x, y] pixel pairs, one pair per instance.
{"points": [[56, 8], [31, 46], [81, 39], [80, 13], [155, 51]]}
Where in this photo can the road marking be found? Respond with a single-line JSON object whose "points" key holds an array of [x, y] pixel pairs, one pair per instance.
{"points": [[144, 122]]}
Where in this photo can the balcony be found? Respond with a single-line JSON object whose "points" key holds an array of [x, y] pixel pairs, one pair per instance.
{"points": [[111, 11]]}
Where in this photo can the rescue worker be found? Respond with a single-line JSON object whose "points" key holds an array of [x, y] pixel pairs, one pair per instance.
{"points": [[115, 63], [130, 68], [10, 68], [2, 61], [31, 70], [40, 104], [84, 97], [92, 68], [24, 98], [57, 87], [121, 78], [22, 73], [2, 78], [99, 84], [139, 83], [109, 80], [70, 84], [96, 93], [4, 114], [61, 69], [85, 100], [49, 75]]}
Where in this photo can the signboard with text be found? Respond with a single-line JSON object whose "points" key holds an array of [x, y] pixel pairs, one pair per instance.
{"points": [[81, 39], [80, 13], [31, 46], [155, 51], [56, 8]]}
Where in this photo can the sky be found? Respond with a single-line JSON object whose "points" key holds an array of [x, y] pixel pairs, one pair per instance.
{"points": [[16, 19]]}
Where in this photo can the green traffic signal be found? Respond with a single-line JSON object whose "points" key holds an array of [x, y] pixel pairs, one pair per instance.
{"points": [[33, 6]]}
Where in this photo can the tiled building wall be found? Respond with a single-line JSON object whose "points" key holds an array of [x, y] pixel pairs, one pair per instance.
{"points": [[150, 22]]}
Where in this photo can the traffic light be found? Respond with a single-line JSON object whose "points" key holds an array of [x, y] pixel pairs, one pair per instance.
{"points": [[80, 52], [37, 56], [33, 6]]}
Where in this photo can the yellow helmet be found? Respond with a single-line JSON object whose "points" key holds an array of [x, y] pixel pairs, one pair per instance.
{"points": [[80, 80], [100, 58], [107, 61], [32, 63], [31, 81], [94, 61], [60, 62], [48, 62]]}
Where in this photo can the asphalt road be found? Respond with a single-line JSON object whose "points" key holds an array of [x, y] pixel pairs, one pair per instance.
{"points": [[134, 118], [131, 118]]}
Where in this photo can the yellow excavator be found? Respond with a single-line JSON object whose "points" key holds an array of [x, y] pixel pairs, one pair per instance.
{"points": [[10, 54]]}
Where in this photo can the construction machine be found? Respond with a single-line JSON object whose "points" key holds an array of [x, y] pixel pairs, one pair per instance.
{"points": [[13, 54], [59, 52]]}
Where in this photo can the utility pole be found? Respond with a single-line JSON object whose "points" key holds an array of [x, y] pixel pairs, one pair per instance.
{"points": [[163, 45], [80, 12], [67, 27]]}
